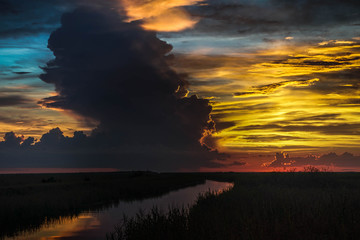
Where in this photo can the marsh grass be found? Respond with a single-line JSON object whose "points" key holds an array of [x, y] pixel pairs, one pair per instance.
{"points": [[156, 222], [29, 201], [307, 205]]}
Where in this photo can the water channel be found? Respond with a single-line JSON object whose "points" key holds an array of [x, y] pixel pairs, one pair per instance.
{"points": [[93, 225]]}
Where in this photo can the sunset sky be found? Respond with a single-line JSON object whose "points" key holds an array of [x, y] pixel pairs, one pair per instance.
{"points": [[280, 76]]}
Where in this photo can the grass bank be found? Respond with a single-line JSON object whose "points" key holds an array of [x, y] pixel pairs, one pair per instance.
{"points": [[261, 206], [29, 200]]}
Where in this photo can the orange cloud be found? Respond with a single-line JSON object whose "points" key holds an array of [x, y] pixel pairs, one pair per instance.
{"points": [[160, 15]]}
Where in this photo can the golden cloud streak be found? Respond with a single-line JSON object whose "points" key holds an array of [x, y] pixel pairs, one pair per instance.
{"points": [[279, 103], [327, 57], [260, 90], [160, 15]]}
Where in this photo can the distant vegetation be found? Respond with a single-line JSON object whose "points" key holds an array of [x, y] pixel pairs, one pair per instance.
{"points": [[312, 204], [29, 200], [281, 206]]}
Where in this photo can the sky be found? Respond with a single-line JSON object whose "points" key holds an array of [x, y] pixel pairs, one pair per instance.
{"points": [[179, 85]]}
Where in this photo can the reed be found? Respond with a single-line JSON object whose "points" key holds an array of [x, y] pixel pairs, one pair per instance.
{"points": [[279, 206]]}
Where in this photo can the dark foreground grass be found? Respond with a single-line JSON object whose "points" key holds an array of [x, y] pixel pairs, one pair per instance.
{"points": [[27, 201], [261, 206]]}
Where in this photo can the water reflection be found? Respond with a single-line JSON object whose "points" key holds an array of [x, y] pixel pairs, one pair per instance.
{"points": [[95, 224]]}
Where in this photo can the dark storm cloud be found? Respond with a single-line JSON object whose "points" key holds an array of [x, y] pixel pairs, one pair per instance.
{"points": [[273, 15], [55, 150], [12, 100], [117, 74], [6, 7]]}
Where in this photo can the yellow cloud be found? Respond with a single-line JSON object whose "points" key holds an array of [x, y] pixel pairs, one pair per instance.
{"points": [[160, 15], [276, 109], [265, 89]]}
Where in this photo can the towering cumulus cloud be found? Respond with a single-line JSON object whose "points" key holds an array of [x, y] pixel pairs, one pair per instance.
{"points": [[116, 73]]}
